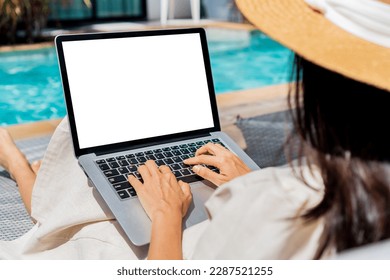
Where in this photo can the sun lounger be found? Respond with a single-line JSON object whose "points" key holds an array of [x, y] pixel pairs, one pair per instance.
{"points": [[14, 219]]}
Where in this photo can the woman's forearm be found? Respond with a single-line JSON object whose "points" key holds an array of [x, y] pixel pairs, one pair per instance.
{"points": [[166, 239]]}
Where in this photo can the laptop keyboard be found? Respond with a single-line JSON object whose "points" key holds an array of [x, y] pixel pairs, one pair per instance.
{"points": [[117, 169]]}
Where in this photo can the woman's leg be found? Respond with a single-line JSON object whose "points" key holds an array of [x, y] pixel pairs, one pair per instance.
{"points": [[14, 161]]}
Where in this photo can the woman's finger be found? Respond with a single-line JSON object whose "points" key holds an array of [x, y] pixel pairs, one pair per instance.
{"points": [[204, 159], [185, 188], [186, 196], [167, 175], [206, 149], [137, 185], [207, 174], [152, 167], [171, 179], [145, 173], [211, 148], [164, 169]]}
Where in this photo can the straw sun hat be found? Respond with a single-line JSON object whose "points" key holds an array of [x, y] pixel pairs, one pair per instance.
{"points": [[328, 33]]}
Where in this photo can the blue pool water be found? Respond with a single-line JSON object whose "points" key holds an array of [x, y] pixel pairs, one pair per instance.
{"points": [[30, 85], [249, 63]]}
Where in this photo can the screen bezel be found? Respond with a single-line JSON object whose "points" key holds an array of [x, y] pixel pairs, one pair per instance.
{"points": [[140, 142]]}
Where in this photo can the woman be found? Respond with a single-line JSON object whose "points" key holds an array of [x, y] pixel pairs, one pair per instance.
{"points": [[336, 197]]}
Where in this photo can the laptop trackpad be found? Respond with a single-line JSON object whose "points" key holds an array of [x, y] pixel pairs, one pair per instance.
{"points": [[201, 191]]}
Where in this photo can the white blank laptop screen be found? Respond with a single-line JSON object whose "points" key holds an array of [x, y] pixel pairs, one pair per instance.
{"points": [[134, 88]]}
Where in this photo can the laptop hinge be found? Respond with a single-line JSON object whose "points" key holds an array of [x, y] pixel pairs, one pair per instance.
{"points": [[152, 143]]}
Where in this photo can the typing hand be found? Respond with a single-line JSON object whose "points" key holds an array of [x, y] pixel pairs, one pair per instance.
{"points": [[160, 193], [230, 166]]}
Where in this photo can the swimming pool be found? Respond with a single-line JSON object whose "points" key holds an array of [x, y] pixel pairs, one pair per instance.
{"points": [[30, 84], [244, 60]]}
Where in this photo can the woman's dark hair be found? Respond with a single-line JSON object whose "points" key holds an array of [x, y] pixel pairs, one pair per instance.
{"points": [[343, 127]]}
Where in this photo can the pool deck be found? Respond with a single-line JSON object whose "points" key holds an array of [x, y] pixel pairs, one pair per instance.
{"points": [[130, 26], [247, 103]]}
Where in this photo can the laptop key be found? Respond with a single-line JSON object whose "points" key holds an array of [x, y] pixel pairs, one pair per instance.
{"points": [[104, 167], [177, 173], [177, 159], [175, 167], [176, 153], [123, 162], [110, 173], [183, 146], [159, 156], [139, 154], [130, 156], [185, 172], [183, 157], [149, 152], [114, 164], [100, 161], [141, 159], [184, 165], [111, 159], [152, 157], [184, 151], [132, 168], [175, 147], [166, 149], [157, 150], [137, 175], [160, 162], [133, 161], [215, 140], [191, 144], [168, 161], [122, 186], [132, 192], [123, 194], [117, 179], [120, 158], [123, 170], [168, 154]]}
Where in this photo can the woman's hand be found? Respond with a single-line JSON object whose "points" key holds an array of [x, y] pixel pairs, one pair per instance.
{"points": [[160, 193], [166, 202], [230, 166]]}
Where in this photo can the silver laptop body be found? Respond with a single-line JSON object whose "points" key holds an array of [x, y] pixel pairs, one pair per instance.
{"points": [[134, 96]]}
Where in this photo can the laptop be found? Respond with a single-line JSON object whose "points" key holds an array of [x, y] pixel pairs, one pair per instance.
{"points": [[134, 96]]}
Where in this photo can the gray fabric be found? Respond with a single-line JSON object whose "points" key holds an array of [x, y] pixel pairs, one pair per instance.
{"points": [[265, 137], [14, 219]]}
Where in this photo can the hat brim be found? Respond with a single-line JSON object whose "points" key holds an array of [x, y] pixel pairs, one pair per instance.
{"points": [[308, 33]]}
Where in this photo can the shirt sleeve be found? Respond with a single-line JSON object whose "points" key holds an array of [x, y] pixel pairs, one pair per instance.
{"points": [[258, 216]]}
